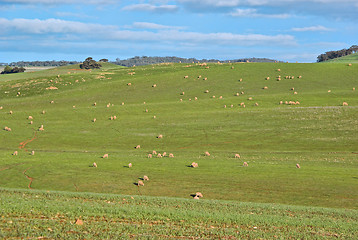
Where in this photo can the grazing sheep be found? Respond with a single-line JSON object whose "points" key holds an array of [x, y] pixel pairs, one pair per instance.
{"points": [[240, 80], [52, 102], [213, 96], [30, 118], [159, 155], [154, 117], [181, 100], [224, 106], [207, 154], [278, 70], [105, 155], [353, 90], [145, 178], [298, 165], [160, 136], [41, 128], [32, 153], [7, 129], [242, 104], [15, 153], [182, 93], [146, 110], [94, 164], [114, 117], [154, 152], [256, 104], [278, 79], [73, 106], [189, 99], [154, 85], [186, 76], [31, 122], [293, 89], [297, 102], [10, 112], [122, 103], [242, 93], [268, 78], [237, 94], [245, 164], [95, 104], [1, 107], [299, 76], [108, 105], [231, 105], [345, 104], [205, 79], [199, 76], [94, 120], [237, 155], [196, 198], [195, 98], [129, 84], [164, 154], [129, 165], [199, 194], [137, 147], [206, 91], [171, 155], [350, 64], [111, 118], [295, 93], [194, 165], [43, 111], [140, 183], [281, 102], [150, 155], [265, 87], [329, 91]]}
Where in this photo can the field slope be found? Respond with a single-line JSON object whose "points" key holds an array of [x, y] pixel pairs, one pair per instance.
{"points": [[319, 133], [352, 58]]}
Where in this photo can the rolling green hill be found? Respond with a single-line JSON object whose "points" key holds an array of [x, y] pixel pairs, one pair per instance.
{"points": [[184, 110], [352, 58]]}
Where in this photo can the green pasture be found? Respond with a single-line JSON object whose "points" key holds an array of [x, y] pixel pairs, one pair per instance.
{"points": [[319, 134]]}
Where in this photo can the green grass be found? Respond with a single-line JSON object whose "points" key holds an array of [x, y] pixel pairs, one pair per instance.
{"points": [[352, 58], [319, 134], [53, 215]]}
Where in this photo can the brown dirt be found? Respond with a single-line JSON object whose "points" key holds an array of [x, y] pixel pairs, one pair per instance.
{"points": [[28, 177], [23, 144]]}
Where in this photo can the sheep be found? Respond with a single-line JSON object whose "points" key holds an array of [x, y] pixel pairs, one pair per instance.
{"points": [[154, 152], [95, 104], [150, 155], [240, 80], [114, 117], [154, 117], [265, 88], [94, 164], [190, 99], [199, 76], [299, 76], [231, 106], [278, 70], [137, 147], [105, 155], [295, 93], [1, 107], [213, 96], [18, 93], [145, 178], [10, 112], [15, 153], [108, 105], [281, 102], [159, 155], [183, 93], [111, 118], [268, 78], [171, 155], [256, 104], [224, 106], [298, 165], [140, 183], [94, 120], [195, 98], [278, 79], [206, 91], [242, 93], [199, 194], [350, 64], [221, 97], [232, 67], [122, 103], [293, 89], [146, 110], [245, 164], [154, 85], [353, 90], [194, 165], [181, 100], [41, 128], [237, 94], [205, 79], [129, 84], [237, 155], [164, 154], [7, 129], [345, 104], [73, 106], [43, 111], [186, 76], [31, 122], [32, 153], [207, 154], [52, 102], [30, 118], [129, 165], [297, 102], [329, 91], [242, 104], [196, 197], [250, 98]]}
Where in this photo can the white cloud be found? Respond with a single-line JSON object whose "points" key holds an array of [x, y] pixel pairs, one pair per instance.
{"points": [[78, 30], [148, 25], [250, 12], [317, 28], [151, 8]]}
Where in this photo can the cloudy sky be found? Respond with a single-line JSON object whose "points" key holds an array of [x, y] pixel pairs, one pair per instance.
{"points": [[288, 30]]}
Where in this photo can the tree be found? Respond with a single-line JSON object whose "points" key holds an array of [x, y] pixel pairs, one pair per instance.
{"points": [[8, 70], [89, 63], [104, 60]]}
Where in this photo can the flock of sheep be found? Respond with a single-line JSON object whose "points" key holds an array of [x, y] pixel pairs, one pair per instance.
{"points": [[171, 155]]}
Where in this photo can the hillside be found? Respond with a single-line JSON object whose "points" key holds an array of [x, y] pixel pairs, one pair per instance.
{"points": [[319, 134], [352, 58]]}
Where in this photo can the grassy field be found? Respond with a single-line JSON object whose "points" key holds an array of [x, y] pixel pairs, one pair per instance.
{"points": [[319, 134], [55, 215]]}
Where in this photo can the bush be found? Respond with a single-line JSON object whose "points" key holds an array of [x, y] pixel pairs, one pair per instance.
{"points": [[89, 63], [8, 70]]}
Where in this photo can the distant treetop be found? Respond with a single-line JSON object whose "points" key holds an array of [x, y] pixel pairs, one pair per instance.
{"points": [[89, 63], [336, 54]]}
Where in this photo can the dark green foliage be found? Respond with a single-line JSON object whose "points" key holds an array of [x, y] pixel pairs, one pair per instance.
{"points": [[89, 63], [104, 60], [8, 70], [336, 54]]}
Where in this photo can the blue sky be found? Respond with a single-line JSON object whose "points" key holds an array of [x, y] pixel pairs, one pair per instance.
{"points": [[287, 30]]}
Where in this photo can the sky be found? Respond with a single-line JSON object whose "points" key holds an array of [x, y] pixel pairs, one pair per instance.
{"points": [[286, 30]]}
